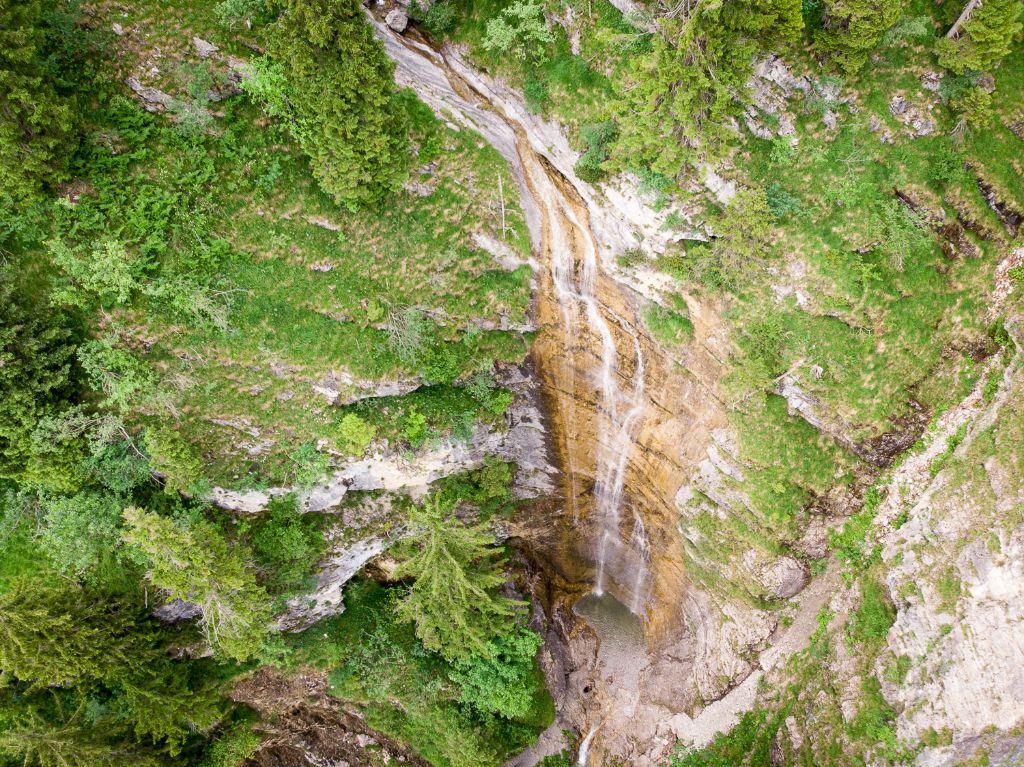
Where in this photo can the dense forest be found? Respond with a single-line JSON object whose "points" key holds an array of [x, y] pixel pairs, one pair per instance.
{"points": [[266, 312]]}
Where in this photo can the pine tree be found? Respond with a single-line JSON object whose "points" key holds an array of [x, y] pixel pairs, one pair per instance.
{"points": [[852, 29], [335, 89], [455, 574], [982, 36], [196, 564]]}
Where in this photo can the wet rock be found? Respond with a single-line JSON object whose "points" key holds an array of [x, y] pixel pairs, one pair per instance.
{"points": [[397, 19], [204, 48]]}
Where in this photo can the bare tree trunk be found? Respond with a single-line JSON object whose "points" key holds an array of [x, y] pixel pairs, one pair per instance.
{"points": [[964, 17]]}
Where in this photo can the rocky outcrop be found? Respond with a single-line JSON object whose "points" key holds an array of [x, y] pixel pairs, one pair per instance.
{"points": [[524, 441], [957, 578]]}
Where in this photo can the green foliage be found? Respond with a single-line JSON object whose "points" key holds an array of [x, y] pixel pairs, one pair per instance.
{"points": [[870, 622], [682, 95], [598, 139], [36, 372], [985, 39], [119, 375], [741, 245], [668, 326], [39, 116], [852, 543], [455, 572], [520, 30], [286, 543], [193, 562], [332, 84], [974, 108], [852, 28], [355, 434], [80, 531], [106, 273], [173, 458], [232, 748], [501, 680]]}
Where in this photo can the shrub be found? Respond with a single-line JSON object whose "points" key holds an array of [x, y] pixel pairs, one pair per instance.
{"points": [[79, 531], [502, 679], [521, 30], [668, 326], [286, 544], [39, 118], [355, 434], [173, 458]]}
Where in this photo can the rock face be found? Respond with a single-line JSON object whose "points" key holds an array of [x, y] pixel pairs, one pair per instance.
{"points": [[957, 577], [524, 441]]}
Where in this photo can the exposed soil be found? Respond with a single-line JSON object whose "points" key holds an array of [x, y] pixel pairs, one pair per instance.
{"points": [[301, 725]]}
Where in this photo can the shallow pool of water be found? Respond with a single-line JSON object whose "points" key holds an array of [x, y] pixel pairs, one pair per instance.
{"points": [[619, 630]]}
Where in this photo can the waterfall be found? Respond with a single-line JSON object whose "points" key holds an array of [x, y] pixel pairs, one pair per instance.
{"points": [[559, 210], [584, 754]]}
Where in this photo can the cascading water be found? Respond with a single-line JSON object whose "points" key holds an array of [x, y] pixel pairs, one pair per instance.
{"points": [[600, 345]]}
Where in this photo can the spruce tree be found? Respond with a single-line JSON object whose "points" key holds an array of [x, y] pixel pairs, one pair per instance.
{"points": [[196, 564], [52, 636], [38, 123], [335, 89], [852, 28], [982, 36], [681, 97], [455, 572], [36, 371]]}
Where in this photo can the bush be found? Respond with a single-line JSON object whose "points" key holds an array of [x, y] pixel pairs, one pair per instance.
{"points": [[503, 679], [39, 118], [79, 531], [870, 622], [355, 434], [668, 326], [287, 543], [173, 457]]}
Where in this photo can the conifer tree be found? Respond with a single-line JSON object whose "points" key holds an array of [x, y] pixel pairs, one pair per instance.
{"points": [[982, 35], [196, 564], [36, 373], [455, 574], [52, 636], [38, 123], [681, 97], [852, 28], [334, 86]]}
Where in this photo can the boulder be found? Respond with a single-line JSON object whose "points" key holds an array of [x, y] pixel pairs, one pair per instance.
{"points": [[203, 48], [397, 20]]}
